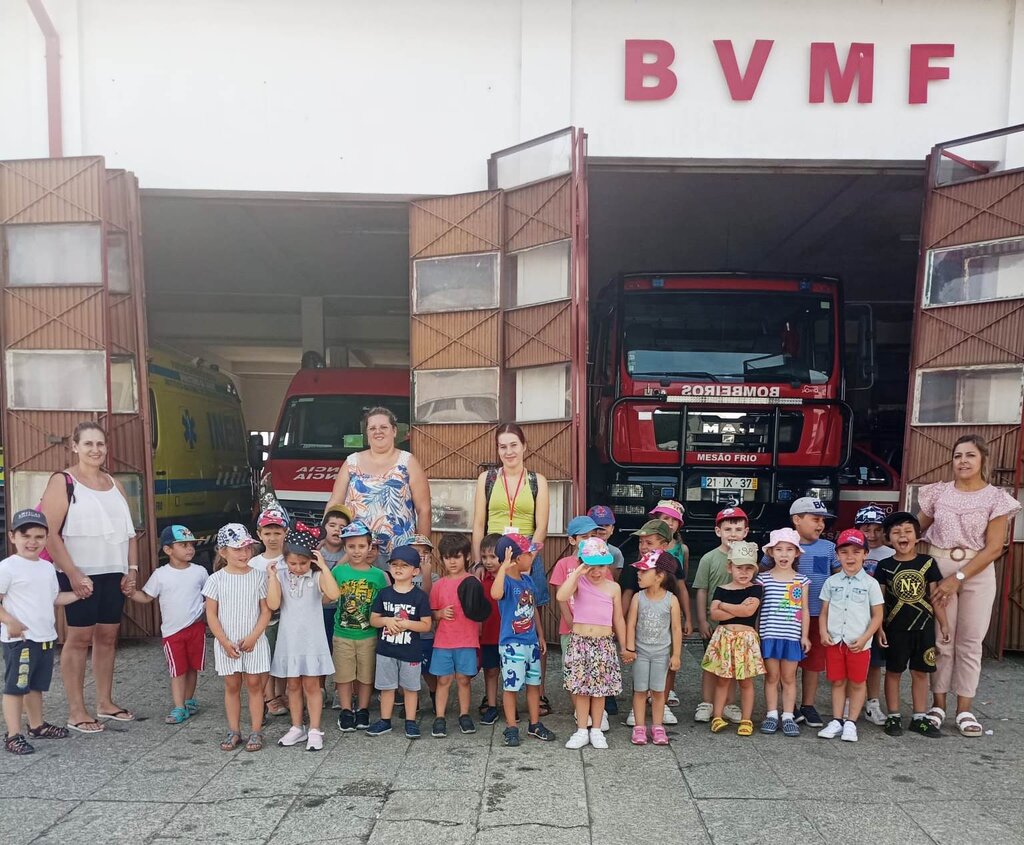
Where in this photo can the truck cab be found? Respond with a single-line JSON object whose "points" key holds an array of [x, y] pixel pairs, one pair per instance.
{"points": [[320, 425]]}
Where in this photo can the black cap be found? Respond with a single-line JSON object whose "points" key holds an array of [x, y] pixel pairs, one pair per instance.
{"points": [[28, 517], [406, 554]]}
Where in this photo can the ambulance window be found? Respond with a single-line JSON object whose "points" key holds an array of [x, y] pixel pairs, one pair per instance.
{"points": [[153, 420]]}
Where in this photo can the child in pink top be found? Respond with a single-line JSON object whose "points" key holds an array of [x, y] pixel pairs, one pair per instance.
{"points": [[457, 639]]}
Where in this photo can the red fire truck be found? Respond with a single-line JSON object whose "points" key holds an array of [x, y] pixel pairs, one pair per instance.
{"points": [[715, 389]]}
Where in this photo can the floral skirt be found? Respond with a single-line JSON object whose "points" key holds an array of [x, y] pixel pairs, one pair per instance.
{"points": [[734, 654], [592, 666]]}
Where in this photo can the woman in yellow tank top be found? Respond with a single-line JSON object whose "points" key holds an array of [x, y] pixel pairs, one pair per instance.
{"points": [[513, 505]]}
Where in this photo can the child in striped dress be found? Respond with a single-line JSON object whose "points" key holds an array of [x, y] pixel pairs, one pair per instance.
{"points": [[784, 628], [237, 613]]}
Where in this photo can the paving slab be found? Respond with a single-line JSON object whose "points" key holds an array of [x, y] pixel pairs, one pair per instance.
{"points": [[958, 822], [339, 820], [105, 821], [240, 821], [23, 820]]}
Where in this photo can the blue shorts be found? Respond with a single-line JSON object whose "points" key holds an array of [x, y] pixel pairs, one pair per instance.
{"points": [[427, 644], [520, 664], [542, 595], [489, 657], [773, 648], [451, 661]]}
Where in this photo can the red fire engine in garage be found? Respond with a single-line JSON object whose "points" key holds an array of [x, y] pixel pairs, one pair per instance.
{"points": [[716, 389]]}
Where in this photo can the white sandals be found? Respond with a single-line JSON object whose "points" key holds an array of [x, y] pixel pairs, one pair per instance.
{"points": [[936, 715], [968, 725]]}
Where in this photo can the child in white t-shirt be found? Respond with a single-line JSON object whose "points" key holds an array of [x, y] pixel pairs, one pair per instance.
{"points": [[28, 630], [271, 528], [179, 587]]}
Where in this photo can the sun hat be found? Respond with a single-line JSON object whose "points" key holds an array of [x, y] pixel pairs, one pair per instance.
{"points": [[234, 536], [743, 554], [852, 537], [669, 507], [580, 525], [731, 513], [809, 505], [175, 534], [656, 527], [869, 515], [594, 552], [782, 535], [602, 515]]}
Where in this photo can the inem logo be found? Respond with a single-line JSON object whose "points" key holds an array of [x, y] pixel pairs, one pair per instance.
{"points": [[649, 74]]}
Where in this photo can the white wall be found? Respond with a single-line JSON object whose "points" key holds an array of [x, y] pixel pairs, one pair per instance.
{"points": [[262, 397], [410, 97]]}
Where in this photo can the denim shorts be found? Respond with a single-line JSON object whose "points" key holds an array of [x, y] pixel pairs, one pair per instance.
{"points": [[451, 661]]}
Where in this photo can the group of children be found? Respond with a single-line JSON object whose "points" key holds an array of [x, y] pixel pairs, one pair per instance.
{"points": [[321, 600]]}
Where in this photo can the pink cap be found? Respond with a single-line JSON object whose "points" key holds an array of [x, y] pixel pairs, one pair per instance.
{"points": [[668, 507], [781, 535]]}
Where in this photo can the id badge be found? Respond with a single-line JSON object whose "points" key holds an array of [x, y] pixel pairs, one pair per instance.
{"points": [[509, 529]]}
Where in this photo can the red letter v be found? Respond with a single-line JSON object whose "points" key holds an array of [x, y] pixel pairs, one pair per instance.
{"points": [[742, 86]]}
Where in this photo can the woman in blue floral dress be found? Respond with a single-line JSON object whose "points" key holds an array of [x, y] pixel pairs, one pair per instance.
{"points": [[384, 487]]}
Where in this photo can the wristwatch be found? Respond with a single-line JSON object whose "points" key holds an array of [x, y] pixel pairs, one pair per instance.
{"points": [[960, 576]]}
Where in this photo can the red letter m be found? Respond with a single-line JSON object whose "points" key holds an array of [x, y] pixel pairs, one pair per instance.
{"points": [[860, 67]]}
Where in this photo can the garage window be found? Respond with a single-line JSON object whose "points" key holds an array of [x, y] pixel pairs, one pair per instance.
{"points": [[54, 254], [975, 273], [455, 283], [456, 396], [451, 504], [533, 161], [974, 395], [117, 263], [124, 389], [57, 380], [543, 393], [27, 488], [540, 274]]}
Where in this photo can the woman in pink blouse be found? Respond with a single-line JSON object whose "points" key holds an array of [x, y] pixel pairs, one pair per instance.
{"points": [[965, 522]]}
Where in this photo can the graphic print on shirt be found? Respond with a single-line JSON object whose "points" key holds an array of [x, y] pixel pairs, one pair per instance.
{"points": [[354, 605], [522, 618], [791, 602], [399, 611]]}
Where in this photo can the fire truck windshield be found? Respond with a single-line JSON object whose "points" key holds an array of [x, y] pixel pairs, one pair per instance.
{"points": [[330, 427], [729, 336]]}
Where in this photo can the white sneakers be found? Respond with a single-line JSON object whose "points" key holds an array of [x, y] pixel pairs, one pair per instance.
{"points": [[732, 713], [597, 739], [604, 720], [295, 735], [582, 737], [847, 731], [673, 699], [873, 712], [669, 718], [704, 712], [315, 741]]}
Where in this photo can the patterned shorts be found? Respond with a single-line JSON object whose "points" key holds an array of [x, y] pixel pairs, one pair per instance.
{"points": [[520, 664], [592, 666], [734, 654]]}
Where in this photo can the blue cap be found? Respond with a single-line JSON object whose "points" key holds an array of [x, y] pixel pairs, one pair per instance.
{"points": [[406, 554], [175, 534], [356, 529], [580, 525], [602, 515]]}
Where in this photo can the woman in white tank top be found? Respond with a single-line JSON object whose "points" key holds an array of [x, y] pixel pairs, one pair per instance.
{"points": [[96, 555]]}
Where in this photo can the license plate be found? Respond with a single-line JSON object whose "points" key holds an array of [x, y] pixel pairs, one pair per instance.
{"points": [[728, 483]]}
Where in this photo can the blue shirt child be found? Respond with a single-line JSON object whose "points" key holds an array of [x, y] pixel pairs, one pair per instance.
{"points": [[518, 607]]}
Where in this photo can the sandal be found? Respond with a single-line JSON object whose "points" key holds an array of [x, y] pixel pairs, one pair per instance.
{"points": [[192, 706], [746, 728], [968, 725], [770, 725], [275, 707], [48, 731], [233, 740], [120, 715], [255, 742], [718, 724], [176, 716], [545, 706], [17, 744], [81, 728], [936, 715]]}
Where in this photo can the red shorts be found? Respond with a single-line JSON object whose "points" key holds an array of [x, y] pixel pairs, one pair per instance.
{"points": [[185, 650], [841, 664], [815, 659]]}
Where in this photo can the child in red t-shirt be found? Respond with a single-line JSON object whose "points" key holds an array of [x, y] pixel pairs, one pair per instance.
{"points": [[457, 638], [489, 631]]}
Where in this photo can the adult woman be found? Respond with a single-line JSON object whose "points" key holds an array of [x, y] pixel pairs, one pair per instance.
{"points": [[512, 498], [384, 487], [965, 523], [96, 554]]}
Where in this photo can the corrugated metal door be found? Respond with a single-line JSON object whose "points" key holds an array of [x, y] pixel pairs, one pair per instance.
{"points": [[72, 330], [499, 293], [968, 345]]}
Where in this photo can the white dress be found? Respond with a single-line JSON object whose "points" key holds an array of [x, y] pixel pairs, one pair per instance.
{"points": [[238, 609], [302, 648]]}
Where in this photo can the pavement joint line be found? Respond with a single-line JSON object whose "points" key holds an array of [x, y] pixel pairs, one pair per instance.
{"points": [[56, 821], [388, 792]]}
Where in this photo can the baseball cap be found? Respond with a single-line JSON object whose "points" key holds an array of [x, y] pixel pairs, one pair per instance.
{"points": [[743, 554], [518, 543], [669, 507], [234, 536], [594, 552], [659, 559], [407, 555], [808, 504], [175, 534], [356, 529], [339, 509], [602, 515], [24, 518], [581, 525], [421, 540], [272, 516], [731, 513], [782, 535], [852, 537], [655, 526], [302, 539], [870, 515]]}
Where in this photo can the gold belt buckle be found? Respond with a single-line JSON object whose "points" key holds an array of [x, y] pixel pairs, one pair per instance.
{"points": [[958, 554]]}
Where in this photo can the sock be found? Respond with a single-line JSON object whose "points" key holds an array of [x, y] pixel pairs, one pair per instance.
{"points": [[772, 714], [787, 716], [919, 715]]}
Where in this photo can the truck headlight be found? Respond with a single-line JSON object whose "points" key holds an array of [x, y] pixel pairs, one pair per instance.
{"points": [[626, 491], [825, 494]]}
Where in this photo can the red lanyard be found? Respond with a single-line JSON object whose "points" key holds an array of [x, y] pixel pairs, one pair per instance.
{"points": [[512, 499]]}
